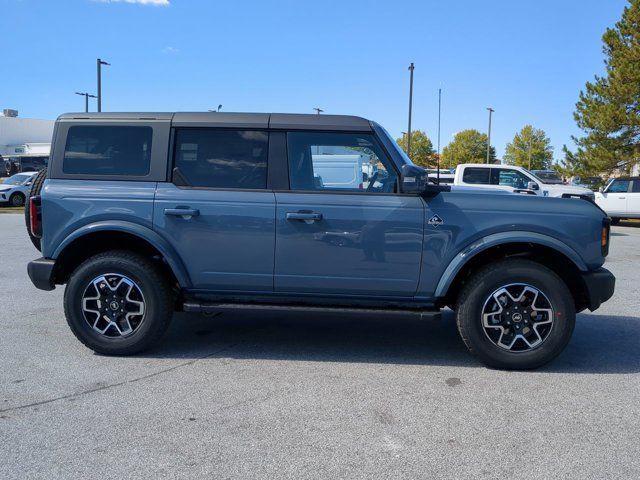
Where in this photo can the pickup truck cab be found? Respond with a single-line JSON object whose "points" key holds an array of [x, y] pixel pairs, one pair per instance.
{"points": [[515, 179], [620, 198], [142, 214]]}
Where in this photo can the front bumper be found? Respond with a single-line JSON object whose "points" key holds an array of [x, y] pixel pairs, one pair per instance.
{"points": [[41, 273], [600, 285]]}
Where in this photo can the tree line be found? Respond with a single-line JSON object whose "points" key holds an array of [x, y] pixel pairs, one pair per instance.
{"points": [[607, 112]]}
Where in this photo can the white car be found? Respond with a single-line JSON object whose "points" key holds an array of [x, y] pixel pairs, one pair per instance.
{"points": [[620, 198], [514, 179], [15, 189]]}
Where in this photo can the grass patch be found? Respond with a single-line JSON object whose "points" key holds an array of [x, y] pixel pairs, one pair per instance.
{"points": [[11, 210]]}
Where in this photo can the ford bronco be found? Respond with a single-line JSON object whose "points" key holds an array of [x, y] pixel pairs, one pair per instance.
{"points": [[143, 214]]}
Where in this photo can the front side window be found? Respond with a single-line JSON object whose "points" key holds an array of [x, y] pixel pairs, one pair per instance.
{"points": [[509, 178], [636, 186], [348, 162], [108, 150], [619, 186], [476, 175], [216, 158]]}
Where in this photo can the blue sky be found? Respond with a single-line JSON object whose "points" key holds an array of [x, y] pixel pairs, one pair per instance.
{"points": [[528, 59]]}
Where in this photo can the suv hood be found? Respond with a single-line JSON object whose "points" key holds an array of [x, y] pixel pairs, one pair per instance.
{"points": [[560, 189]]}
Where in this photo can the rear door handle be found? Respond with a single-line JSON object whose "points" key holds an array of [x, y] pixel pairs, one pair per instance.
{"points": [[305, 216], [185, 213]]}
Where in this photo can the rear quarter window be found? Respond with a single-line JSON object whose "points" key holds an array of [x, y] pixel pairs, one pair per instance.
{"points": [[108, 150]]}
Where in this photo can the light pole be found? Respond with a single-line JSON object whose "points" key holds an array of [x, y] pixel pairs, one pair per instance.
{"points": [[100, 62], [318, 110], [86, 99], [491, 110], [530, 139], [411, 68], [439, 110]]}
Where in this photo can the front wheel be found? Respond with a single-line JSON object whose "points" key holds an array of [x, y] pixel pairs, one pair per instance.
{"points": [[515, 314], [118, 303], [17, 200]]}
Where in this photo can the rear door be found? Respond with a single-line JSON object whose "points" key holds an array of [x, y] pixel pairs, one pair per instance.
{"points": [[345, 240], [217, 212], [633, 202]]}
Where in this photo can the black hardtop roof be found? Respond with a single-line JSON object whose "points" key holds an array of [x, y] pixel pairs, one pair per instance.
{"points": [[290, 121]]}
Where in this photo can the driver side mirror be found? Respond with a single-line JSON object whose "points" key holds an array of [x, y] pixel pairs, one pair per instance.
{"points": [[533, 186], [414, 179], [601, 189]]}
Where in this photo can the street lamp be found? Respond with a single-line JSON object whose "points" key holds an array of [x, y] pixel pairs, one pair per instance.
{"points": [[411, 67], [318, 110], [86, 99], [219, 108], [100, 62], [491, 110]]}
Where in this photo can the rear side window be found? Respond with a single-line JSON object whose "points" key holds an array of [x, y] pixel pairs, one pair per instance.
{"points": [[476, 175], [215, 158], [108, 150]]}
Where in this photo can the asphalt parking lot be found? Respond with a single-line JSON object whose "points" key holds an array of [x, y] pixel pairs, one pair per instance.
{"points": [[285, 396]]}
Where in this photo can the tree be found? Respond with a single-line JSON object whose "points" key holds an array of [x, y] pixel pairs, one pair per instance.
{"points": [[608, 110], [468, 146], [422, 152], [530, 148]]}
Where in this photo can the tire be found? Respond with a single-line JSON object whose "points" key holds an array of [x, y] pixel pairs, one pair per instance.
{"points": [[16, 200], [36, 188], [615, 221], [543, 341], [88, 281]]}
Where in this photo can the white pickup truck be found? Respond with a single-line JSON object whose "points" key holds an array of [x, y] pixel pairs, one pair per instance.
{"points": [[514, 179], [620, 198]]}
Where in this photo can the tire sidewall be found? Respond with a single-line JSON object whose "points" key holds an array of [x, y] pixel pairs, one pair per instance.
{"points": [[538, 277], [155, 306]]}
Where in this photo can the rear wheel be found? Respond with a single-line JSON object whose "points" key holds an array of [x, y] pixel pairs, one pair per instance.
{"points": [[118, 303], [515, 314], [36, 188], [16, 200]]}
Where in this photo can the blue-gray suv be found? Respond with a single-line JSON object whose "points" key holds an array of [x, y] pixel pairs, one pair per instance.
{"points": [[143, 214]]}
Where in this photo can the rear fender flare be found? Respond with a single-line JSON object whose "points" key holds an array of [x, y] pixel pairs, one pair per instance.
{"points": [[140, 231]]}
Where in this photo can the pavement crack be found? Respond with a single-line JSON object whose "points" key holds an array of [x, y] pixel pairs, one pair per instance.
{"points": [[124, 382]]}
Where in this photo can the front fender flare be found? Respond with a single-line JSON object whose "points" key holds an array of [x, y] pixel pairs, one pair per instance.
{"points": [[140, 231], [503, 238]]}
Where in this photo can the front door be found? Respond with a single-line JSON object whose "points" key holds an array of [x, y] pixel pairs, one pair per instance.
{"points": [[217, 213], [616, 196], [343, 236]]}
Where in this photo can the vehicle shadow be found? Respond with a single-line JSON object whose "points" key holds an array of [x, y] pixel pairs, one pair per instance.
{"points": [[600, 344]]}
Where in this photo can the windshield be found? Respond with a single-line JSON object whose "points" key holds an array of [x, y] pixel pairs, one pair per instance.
{"points": [[18, 179], [548, 177]]}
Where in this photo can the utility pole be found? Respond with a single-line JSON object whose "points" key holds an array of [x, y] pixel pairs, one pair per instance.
{"points": [[86, 99], [439, 111], [100, 62], [318, 110], [491, 110], [530, 139], [411, 67]]}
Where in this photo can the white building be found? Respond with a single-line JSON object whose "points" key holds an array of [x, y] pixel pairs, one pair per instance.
{"points": [[24, 138]]}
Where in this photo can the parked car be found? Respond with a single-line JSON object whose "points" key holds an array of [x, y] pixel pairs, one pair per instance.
{"points": [[514, 179], [550, 177], [14, 190], [620, 198], [141, 214], [592, 183]]}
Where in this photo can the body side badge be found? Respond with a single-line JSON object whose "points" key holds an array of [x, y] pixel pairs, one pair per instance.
{"points": [[435, 221]]}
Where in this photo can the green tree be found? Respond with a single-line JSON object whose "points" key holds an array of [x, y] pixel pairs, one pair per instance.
{"points": [[422, 152], [530, 148], [468, 146], [608, 110]]}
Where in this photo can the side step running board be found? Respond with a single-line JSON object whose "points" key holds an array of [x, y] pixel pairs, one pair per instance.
{"points": [[195, 307]]}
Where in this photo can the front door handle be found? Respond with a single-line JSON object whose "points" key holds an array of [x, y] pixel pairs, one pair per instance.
{"points": [[307, 217], [185, 213]]}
